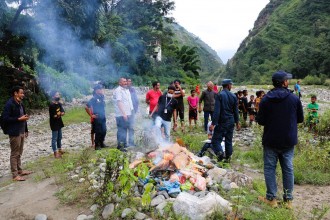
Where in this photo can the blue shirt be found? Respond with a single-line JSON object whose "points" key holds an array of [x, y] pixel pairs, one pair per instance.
{"points": [[297, 87], [98, 105], [225, 109]]}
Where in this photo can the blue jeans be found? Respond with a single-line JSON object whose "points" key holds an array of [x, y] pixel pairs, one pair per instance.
{"points": [[56, 140], [285, 156], [159, 122], [124, 128], [207, 115], [220, 131]]}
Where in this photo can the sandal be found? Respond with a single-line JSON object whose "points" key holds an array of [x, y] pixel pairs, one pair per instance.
{"points": [[19, 178], [25, 172]]}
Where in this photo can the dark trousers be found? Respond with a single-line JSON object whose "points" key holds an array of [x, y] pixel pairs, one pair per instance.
{"points": [[100, 131], [245, 115], [16, 147], [124, 128], [207, 115], [207, 146], [221, 131]]}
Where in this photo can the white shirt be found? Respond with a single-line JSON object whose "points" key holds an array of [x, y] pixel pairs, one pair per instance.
{"points": [[124, 96]]}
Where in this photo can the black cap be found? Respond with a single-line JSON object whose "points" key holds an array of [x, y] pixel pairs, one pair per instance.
{"points": [[98, 86], [226, 82], [281, 76]]}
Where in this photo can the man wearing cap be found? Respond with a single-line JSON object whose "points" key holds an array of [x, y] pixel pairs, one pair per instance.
{"points": [[279, 113], [96, 110], [224, 118]]}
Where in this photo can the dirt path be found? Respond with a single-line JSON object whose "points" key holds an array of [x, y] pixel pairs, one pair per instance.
{"points": [[24, 200], [306, 197]]}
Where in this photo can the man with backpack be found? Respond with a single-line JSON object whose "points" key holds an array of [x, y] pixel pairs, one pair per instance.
{"points": [[15, 119]]}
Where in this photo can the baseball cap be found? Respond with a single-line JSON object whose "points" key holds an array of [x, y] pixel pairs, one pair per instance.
{"points": [[281, 76], [98, 86], [226, 82]]}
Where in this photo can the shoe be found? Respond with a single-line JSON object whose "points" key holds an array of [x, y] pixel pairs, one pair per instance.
{"points": [[200, 154], [271, 203], [122, 149], [57, 155], [19, 178], [61, 151], [104, 146], [288, 204], [24, 172], [227, 160], [220, 156]]}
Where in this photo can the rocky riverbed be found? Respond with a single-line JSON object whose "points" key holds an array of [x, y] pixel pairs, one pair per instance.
{"points": [[77, 137]]}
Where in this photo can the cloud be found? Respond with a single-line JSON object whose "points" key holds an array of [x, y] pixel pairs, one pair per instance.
{"points": [[222, 24]]}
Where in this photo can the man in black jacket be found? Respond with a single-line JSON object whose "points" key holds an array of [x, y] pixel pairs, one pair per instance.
{"points": [[279, 113], [16, 118]]}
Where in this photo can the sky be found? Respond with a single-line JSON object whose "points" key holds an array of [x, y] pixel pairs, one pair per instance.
{"points": [[222, 24]]}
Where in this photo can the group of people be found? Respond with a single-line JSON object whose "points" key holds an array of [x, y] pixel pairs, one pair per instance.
{"points": [[126, 105], [279, 111], [249, 107]]}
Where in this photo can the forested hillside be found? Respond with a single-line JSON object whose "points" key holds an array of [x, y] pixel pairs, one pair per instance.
{"points": [[66, 44], [210, 61], [292, 35]]}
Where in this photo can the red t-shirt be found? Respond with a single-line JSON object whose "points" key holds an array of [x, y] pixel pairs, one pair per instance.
{"points": [[193, 101], [153, 97]]}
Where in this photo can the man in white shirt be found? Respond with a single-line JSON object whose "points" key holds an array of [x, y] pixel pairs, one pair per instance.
{"points": [[123, 111]]}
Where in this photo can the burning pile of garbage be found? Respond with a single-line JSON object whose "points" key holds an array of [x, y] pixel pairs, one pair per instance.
{"points": [[175, 169]]}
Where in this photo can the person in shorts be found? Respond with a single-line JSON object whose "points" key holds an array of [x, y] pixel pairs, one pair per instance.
{"points": [[193, 107]]}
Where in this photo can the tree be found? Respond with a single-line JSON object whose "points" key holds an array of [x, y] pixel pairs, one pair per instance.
{"points": [[188, 59]]}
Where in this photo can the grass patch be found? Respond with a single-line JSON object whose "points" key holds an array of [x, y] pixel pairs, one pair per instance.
{"points": [[192, 140], [71, 191], [76, 115]]}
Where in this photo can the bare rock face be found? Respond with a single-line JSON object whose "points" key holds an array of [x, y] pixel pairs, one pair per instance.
{"points": [[199, 208]]}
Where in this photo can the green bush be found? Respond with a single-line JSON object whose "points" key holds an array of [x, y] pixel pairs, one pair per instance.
{"points": [[314, 80], [323, 127]]}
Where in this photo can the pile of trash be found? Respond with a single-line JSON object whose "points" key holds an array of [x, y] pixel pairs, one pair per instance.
{"points": [[175, 169]]}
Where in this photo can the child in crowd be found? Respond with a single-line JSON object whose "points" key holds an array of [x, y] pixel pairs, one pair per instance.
{"points": [[259, 95], [252, 109], [56, 112], [245, 104], [193, 106], [313, 117], [240, 101]]}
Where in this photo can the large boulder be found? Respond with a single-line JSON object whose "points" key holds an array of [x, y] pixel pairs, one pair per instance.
{"points": [[199, 208]]}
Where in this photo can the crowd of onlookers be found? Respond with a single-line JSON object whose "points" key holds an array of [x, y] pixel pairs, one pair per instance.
{"points": [[221, 108]]}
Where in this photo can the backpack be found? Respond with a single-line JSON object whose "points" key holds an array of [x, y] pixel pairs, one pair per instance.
{"points": [[3, 125]]}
